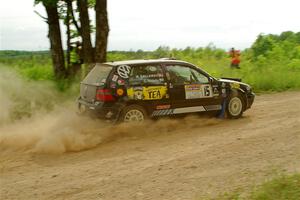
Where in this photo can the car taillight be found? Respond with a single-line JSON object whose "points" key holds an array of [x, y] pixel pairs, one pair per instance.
{"points": [[104, 95]]}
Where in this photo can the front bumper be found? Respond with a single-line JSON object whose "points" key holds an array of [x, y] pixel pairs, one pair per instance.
{"points": [[250, 99], [102, 110]]}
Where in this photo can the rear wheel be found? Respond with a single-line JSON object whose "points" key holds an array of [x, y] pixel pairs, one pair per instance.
{"points": [[235, 106], [133, 113]]}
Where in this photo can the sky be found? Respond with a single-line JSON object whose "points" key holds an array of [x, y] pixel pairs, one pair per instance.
{"points": [[148, 24]]}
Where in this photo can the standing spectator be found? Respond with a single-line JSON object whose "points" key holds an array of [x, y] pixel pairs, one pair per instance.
{"points": [[75, 58], [235, 58]]}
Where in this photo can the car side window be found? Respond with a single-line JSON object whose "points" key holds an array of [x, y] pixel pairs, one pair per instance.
{"points": [[181, 75], [146, 75]]}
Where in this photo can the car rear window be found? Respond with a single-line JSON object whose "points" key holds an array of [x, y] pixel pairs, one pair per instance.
{"points": [[98, 74]]}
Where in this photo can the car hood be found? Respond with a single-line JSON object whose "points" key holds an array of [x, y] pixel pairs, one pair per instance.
{"points": [[230, 81]]}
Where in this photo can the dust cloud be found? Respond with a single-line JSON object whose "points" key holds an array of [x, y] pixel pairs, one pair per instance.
{"points": [[59, 131], [20, 98], [35, 119]]}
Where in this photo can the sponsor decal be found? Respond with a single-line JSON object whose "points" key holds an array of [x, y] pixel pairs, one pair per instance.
{"points": [[197, 91], [152, 68], [147, 93], [135, 93], [193, 91], [186, 110], [115, 78], [153, 92], [215, 90], [163, 112], [121, 82], [120, 92], [207, 90], [150, 76], [123, 71], [161, 107], [235, 85], [113, 85]]}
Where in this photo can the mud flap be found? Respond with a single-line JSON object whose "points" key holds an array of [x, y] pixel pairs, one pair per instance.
{"points": [[81, 110]]}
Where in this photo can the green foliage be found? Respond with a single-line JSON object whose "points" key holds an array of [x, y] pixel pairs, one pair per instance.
{"points": [[271, 64], [282, 188], [32, 65], [277, 47]]}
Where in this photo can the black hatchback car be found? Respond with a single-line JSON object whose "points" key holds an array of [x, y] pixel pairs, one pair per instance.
{"points": [[138, 89]]}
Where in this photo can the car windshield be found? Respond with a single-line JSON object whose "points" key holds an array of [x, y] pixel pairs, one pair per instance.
{"points": [[98, 74]]}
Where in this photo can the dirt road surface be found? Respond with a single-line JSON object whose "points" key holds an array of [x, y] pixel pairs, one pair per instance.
{"points": [[185, 159]]}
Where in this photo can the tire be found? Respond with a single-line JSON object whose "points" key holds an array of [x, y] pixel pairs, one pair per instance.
{"points": [[133, 113], [235, 106]]}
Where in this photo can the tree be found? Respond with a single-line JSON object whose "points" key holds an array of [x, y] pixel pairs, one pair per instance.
{"points": [[262, 45], [66, 13], [54, 35], [68, 24], [102, 30], [85, 32]]}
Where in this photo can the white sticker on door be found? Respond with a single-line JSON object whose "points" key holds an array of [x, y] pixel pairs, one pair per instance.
{"points": [[197, 91], [192, 91]]}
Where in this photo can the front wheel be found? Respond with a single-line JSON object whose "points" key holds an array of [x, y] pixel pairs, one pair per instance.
{"points": [[133, 113], [235, 107]]}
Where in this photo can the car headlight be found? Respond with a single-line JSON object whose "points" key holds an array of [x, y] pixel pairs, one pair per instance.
{"points": [[248, 88]]}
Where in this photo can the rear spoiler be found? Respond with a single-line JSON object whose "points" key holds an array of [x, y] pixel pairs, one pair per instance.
{"points": [[233, 79]]}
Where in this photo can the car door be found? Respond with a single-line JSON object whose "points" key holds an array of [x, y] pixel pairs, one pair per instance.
{"points": [[191, 89], [148, 87]]}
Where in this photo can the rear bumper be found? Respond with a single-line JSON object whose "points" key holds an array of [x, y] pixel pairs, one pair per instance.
{"points": [[100, 109]]}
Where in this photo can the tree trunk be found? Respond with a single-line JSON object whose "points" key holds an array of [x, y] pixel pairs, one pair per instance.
{"points": [[55, 40], [87, 48], [102, 29], [74, 21], [68, 24]]}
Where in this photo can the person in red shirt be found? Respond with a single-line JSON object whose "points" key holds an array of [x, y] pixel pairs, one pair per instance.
{"points": [[235, 58]]}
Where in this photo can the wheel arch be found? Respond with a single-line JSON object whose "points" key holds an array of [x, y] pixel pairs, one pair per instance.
{"points": [[242, 94]]}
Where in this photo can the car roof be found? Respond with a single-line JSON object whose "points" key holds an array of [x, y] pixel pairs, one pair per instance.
{"points": [[150, 61]]}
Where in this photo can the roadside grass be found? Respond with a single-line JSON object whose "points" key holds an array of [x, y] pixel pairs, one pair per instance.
{"points": [[262, 75], [284, 187]]}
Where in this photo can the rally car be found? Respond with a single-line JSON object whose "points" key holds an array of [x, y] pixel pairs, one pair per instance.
{"points": [[135, 90]]}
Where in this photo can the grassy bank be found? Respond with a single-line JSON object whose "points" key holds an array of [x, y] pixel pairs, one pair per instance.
{"points": [[263, 75], [285, 187]]}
